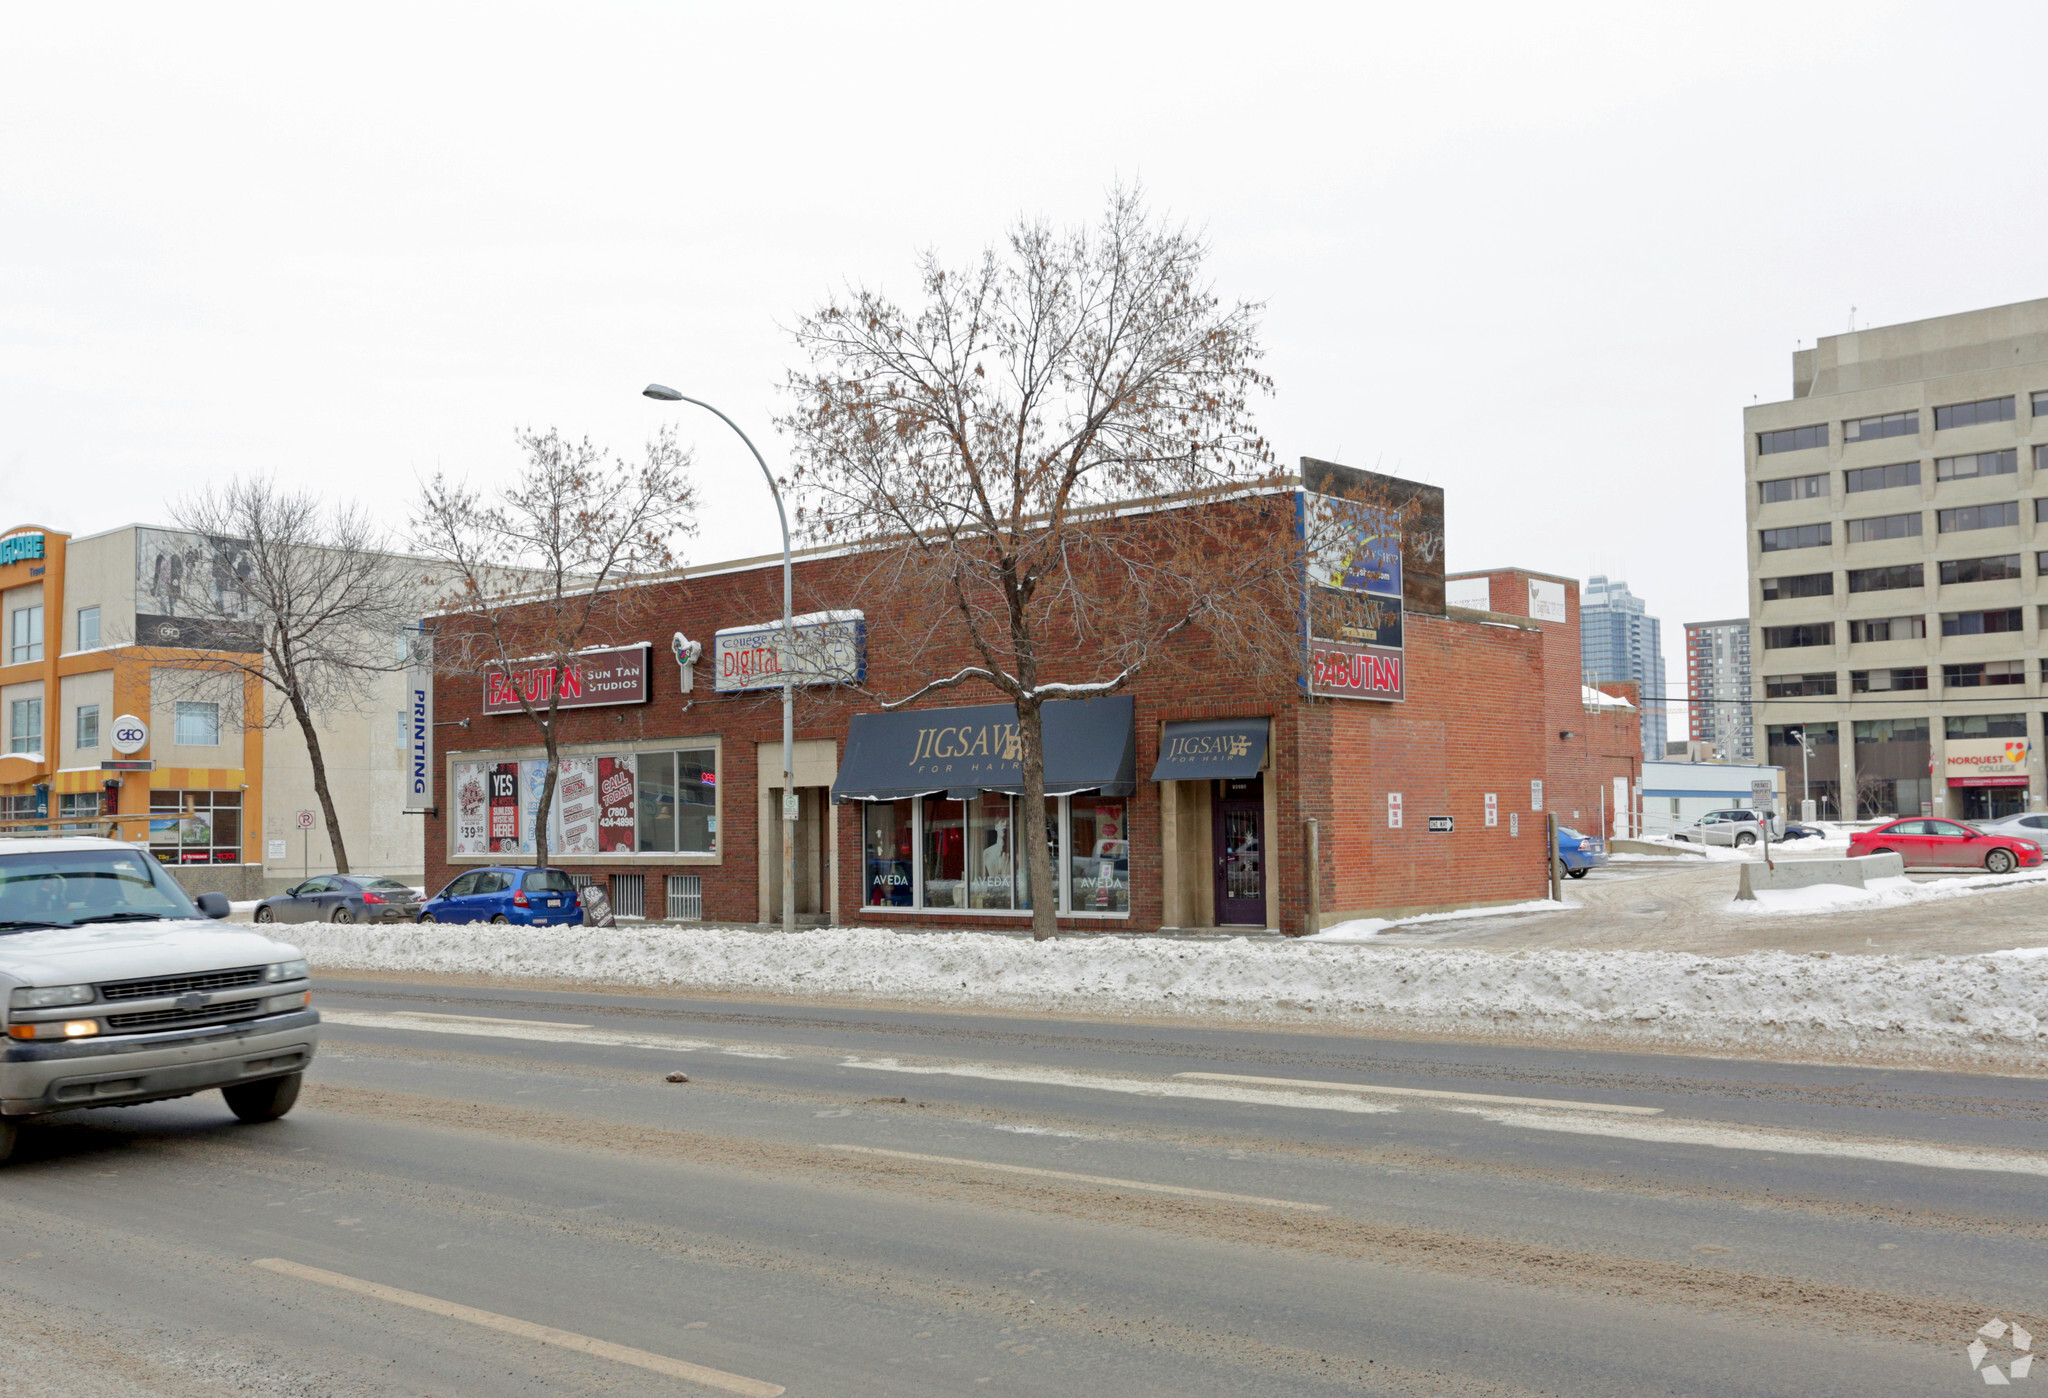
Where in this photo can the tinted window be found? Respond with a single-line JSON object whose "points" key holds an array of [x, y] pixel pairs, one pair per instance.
{"points": [[1792, 488], [1987, 672], [381, 884], [1887, 628], [1983, 463], [1878, 681], [1791, 439], [1882, 477], [1798, 686], [1997, 568], [1818, 633], [1866, 429], [1885, 579], [1876, 527], [464, 885], [1968, 414], [548, 881], [491, 881], [1978, 517], [1985, 726], [1799, 585], [1981, 623], [1801, 536]]}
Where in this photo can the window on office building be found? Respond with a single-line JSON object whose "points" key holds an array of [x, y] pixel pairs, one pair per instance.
{"points": [[1792, 488], [25, 725], [1799, 585], [1983, 623], [1880, 681], [1798, 686], [1886, 579], [1891, 766], [88, 628], [1982, 463], [1999, 567], [88, 728], [1816, 633], [1887, 628], [24, 635], [1791, 439], [1869, 429], [1799, 536], [1891, 477], [1875, 528], [1985, 726], [198, 724], [196, 827], [1982, 673], [1969, 414], [1968, 517], [1812, 769]]}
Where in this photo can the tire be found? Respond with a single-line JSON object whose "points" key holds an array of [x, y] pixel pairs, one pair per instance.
{"points": [[8, 1133], [1681, 839], [342, 914], [265, 915], [263, 1101], [1744, 838], [501, 921], [427, 918], [1575, 873], [2000, 861]]}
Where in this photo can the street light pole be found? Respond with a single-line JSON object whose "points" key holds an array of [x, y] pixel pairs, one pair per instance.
{"points": [[789, 803]]}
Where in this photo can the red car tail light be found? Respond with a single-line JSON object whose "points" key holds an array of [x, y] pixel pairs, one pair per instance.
{"points": [[371, 898], [519, 899]]}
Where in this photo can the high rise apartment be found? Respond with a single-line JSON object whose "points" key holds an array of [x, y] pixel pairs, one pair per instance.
{"points": [[1895, 547], [1717, 685], [1620, 642]]}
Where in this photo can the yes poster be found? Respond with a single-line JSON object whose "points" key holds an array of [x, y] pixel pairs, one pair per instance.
{"points": [[504, 807]]}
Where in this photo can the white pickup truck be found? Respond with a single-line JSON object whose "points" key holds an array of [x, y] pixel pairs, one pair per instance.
{"points": [[118, 988]]}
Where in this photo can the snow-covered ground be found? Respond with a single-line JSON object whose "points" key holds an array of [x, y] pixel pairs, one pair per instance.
{"points": [[1886, 893], [1991, 1007]]}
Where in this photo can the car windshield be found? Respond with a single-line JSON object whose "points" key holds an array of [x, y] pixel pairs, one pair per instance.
{"points": [[71, 887], [549, 881], [383, 885]]}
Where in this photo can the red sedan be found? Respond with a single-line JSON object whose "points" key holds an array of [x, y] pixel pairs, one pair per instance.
{"points": [[1946, 844]]}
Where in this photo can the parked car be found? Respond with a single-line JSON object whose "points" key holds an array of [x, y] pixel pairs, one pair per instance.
{"points": [[513, 893], [1946, 844], [1577, 852], [1795, 831], [116, 987], [1730, 827], [2027, 825], [343, 898]]}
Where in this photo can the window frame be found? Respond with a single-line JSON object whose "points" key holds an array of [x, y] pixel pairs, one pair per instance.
{"points": [[78, 717], [1901, 424], [1950, 570], [1817, 483], [634, 748], [178, 715], [1855, 573], [1779, 594], [1910, 472], [1062, 867], [21, 736], [2006, 462], [1824, 527], [1950, 520], [1858, 530], [1972, 414], [1784, 439], [25, 635], [78, 627], [1800, 626]]}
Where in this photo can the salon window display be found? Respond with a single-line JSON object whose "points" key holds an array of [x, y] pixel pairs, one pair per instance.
{"points": [[621, 803], [937, 853]]}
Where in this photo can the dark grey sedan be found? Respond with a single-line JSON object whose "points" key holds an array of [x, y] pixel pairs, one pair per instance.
{"points": [[343, 898]]}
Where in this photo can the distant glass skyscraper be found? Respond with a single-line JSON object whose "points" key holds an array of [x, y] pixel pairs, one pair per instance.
{"points": [[1618, 641]]}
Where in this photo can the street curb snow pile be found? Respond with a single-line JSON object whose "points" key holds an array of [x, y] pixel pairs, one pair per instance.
{"points": [[1882, 893], [1945, 1004]]}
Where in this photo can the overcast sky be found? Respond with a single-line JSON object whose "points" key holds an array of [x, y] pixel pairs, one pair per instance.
{"points": [[1541, 256]]}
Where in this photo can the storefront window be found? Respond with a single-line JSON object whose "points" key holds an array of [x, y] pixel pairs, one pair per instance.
{"points": [[657, 802], [196, 827], [888, 839], [1099, 877], [945, 852], [990, 869], [679, 802], [662, 802]]}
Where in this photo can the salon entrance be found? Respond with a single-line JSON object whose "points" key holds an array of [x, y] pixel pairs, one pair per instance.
{"points": [[1238, 843]]}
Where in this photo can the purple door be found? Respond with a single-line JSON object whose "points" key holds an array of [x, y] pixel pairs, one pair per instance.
{"points": [[1240, 849]]}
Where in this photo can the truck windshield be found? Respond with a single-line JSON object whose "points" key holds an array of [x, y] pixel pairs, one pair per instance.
{"points": [[70, 887]]}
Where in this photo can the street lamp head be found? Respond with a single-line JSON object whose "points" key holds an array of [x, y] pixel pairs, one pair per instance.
{"points": [[663, 392]]}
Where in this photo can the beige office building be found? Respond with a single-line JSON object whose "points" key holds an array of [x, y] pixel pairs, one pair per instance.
{"points": [[1896, 547]]}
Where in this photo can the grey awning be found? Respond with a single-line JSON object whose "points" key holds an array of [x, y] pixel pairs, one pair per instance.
{"points": [[1088, 747], [1212, 747]]}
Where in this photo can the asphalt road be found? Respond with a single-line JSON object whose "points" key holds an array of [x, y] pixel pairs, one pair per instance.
{"points": [[497, 1192]]}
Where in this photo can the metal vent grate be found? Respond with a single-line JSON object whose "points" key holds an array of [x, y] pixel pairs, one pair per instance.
{"points": [[685, 897], [178, 985], [629, 895]]}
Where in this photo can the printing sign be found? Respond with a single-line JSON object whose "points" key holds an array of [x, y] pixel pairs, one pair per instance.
{"points": [[589, 679], [1353, 594], [419, 721], [824, 648]]}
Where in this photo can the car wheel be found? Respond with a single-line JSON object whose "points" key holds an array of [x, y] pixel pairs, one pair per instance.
{"points": [[342, 915], [427, 918], [1575, 873], [500, 920], [1744, 838], [1682, 839], [265, 915], [263, 1101], [1999, 861]]}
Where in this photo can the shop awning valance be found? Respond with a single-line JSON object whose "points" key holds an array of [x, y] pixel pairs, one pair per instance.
{"points": [[1211, 747], [1088, 747]]}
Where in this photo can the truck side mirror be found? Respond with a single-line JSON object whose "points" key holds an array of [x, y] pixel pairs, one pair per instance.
{"points": [[214, 905]]}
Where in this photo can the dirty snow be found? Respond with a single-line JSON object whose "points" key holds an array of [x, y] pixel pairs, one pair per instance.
{"points": [[1883, 893], [1364, 929], [1944, 1005]]}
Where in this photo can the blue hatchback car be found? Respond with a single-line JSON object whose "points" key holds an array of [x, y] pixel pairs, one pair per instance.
{"points": [[514, 894]]}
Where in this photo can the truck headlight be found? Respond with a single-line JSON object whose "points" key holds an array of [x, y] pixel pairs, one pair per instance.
{"points": [[287, 971], [42, 997]]}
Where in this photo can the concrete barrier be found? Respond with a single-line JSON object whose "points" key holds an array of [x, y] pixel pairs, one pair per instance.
{"points": [[1645, 847], [1805, 873]]}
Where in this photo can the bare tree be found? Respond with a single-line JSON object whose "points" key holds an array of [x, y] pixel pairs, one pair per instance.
{"points": [[544, 568], [1055, 455], [276, 588]]}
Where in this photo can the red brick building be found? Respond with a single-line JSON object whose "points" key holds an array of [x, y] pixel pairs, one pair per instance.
{"points": [[1190, 803]]}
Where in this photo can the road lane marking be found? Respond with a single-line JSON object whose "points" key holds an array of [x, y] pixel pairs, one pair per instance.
{"points": [[1718, 1137], [527, 1330], [1033, 1170], [534, 1031], [1141, 1087], [1427, 1092]]}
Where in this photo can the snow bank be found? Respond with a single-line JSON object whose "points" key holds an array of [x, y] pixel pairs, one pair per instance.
{"points": [[1364, 929], [1883, 893], [1947, 1005]]}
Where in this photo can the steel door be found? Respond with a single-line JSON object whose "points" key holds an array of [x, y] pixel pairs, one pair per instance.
{"points": [[1240, 849]]}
